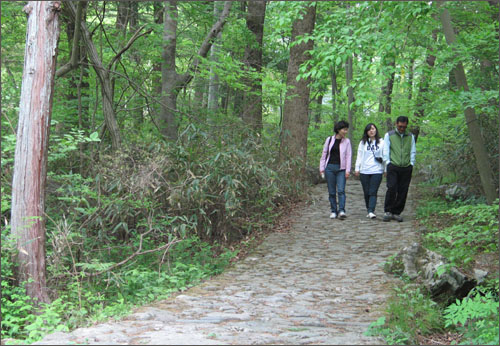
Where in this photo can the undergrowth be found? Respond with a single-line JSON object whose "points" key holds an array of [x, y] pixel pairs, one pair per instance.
{"points": [[460, 231], [139, 224]]}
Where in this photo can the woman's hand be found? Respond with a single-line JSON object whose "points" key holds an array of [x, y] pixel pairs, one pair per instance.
{"points": [[347, 174], [356, 173]]}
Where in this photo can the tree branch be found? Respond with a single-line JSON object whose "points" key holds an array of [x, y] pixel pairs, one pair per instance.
{"points": [[206, 45], [129, 43], [75, 51]]}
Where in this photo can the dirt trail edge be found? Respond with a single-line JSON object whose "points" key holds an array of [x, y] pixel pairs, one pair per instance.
{"points": [[320, 283]]}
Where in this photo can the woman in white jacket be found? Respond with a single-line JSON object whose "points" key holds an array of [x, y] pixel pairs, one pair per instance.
{"points": [[370, 167]]}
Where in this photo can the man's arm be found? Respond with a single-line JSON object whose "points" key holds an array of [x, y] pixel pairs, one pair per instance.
{"points": [[413, 151], [387, 149]]}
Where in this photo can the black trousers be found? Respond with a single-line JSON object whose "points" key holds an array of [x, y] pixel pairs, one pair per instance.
{"points": [[398, 182]]}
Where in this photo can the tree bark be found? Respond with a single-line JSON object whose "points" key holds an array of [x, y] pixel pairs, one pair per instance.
{"points": [[480, 153], [317, 110], [385, 103], [350, 96], [295, 116], [213, 86], [30, 166], [334, 96], [173, 82], [252, 110]]}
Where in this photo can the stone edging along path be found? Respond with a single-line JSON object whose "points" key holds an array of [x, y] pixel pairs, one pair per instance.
{"points": [[320, 283]]}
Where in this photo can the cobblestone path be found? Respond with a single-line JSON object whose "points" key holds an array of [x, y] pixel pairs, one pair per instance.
{"points": [[320, 283]]}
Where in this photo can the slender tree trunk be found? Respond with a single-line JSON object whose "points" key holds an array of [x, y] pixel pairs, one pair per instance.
{"points": [[30, 165], [213, 87], [480, 153], [158, 18], [410, 79], [350, 96], [386, 97], [252, 111], [122, 16], [295, 116], [169, 90], [317, 110], [334, 96]]}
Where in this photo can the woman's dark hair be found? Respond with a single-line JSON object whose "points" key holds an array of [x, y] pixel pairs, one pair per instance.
{"points": [[340, 125], [365, 133]]}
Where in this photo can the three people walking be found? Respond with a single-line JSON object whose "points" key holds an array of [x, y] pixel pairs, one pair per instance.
{"points": [[397, 150]]}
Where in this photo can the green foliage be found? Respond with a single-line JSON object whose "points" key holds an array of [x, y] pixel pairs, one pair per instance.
{"points": [[474, 229], [410, 313], [476, 316]]}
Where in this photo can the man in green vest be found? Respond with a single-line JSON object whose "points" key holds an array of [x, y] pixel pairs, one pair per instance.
{"points": [[399, 156]]}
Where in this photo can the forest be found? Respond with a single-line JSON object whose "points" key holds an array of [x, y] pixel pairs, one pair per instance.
{"points": [[146, 145]]}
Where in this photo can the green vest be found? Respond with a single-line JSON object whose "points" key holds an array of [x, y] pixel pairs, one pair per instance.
{"points": [[400, 148]]}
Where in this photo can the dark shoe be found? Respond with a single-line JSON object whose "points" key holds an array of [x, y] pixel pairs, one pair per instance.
{"points": [[387, 217], [397, 217]]}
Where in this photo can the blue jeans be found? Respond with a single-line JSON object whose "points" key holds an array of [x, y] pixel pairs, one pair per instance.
{"points": [[335, 179], [370, 183]]}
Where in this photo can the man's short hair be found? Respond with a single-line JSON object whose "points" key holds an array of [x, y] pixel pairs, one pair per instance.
{"points": [[402, 119]]}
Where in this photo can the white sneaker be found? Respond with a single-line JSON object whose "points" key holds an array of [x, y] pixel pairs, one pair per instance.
{"points": [[368, 215], [342, 215], [371, 215], [333, 215]]}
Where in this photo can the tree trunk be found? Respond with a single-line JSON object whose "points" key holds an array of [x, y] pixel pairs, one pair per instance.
{"points": [[30, 166], [410, 79], [156, 81], [480, 153], [317, 110], [104, 79], [122, 16], [172, 82], [213, 86], [252, 110], [295, 118], [350, 96], [386, 98], [334, 96]]}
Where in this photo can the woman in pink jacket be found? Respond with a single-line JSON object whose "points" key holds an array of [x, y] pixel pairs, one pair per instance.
{"points": [[335, 165]]}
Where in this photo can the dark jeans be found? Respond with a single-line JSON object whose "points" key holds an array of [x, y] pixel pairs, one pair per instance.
{"points": [[335, 179], [370, 183], [398, 182]]}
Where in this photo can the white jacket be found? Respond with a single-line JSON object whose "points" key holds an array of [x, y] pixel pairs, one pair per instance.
{"points": [[365, 161]]}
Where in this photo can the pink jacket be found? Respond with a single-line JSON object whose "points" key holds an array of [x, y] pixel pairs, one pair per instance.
{"points": [[345, 154]]}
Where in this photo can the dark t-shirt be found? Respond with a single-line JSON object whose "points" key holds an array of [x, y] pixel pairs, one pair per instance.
{"points": [[335, 153]]}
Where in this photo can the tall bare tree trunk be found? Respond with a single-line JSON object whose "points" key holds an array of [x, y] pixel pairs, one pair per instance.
{"points": [[213, 87], [317, 109], [296, 109], [386, 97], [476, 139], [252, 110], [335, 92], [30, 165], [350, 96]]}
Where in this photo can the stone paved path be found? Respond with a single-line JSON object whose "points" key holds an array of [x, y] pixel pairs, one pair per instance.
{"points": [[320, 283]]}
